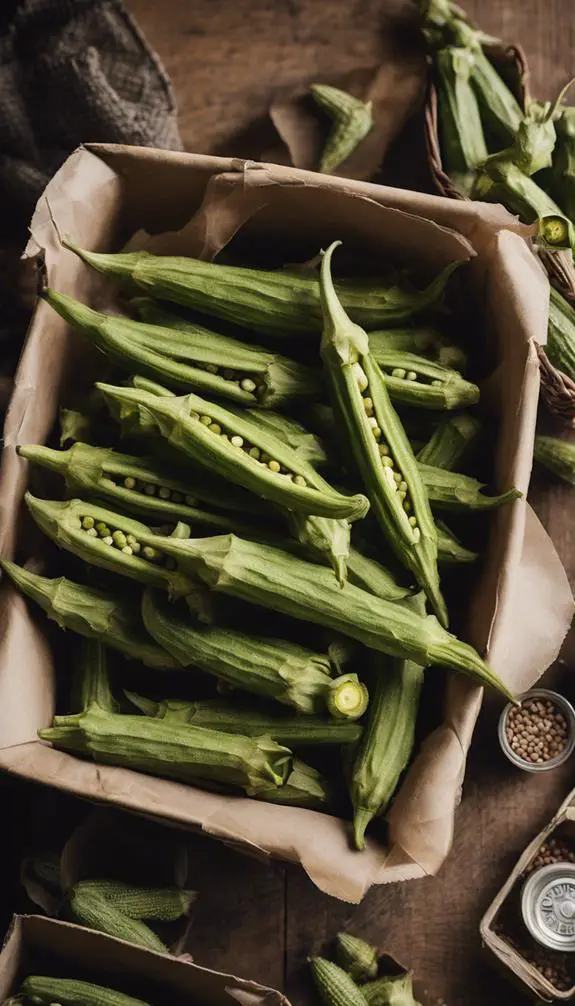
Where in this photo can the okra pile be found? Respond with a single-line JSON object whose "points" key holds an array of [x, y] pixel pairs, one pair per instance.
{"points": [[498, 147], [250, 510]]}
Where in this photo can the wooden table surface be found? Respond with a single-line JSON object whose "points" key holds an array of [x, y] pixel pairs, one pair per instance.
{"points": [[227, 60]]}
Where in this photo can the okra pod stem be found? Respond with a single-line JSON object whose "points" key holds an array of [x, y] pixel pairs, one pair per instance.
{"points": [[113, 619], [379, 443], [358, 958], [284, 302]]}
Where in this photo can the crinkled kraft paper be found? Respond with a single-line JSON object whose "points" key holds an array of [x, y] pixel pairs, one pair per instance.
{"points": [[522, 606]]}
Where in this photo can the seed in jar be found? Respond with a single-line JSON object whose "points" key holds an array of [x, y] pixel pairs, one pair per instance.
{"points": [[537, 730]]}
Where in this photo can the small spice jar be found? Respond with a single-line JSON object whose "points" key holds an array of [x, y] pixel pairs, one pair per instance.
{"points": [[539, 734]]}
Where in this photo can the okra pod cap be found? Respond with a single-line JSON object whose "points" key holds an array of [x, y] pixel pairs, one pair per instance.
{"points": [[357, 957]]}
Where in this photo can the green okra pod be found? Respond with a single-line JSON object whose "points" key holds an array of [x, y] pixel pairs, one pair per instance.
{"points": [[563, 167], [422, 341], [284, 301], [449, 549], [44, 990], [163, 904], [324, 537], [190, 356], [413, 380], [114, 619], [218, 715], [239, 450], [357, 957], [379, 443], [114, 542], [369, 574], [531, 149], [274, 668], [396, 990], [498, 106], [450, 441], [183, 752], [560, 347], [267, 576], [90, 908], [461, 137], [387, 740], [453, 491], [307, 445], [141, 485], [558, 456], [352, 120], [334, 985]]}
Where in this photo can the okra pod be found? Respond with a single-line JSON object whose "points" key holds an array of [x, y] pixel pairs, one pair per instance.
{"points": [[395, 990], [335, 986], [560, 347], [556, 455], [47, 991], [283, 302], [191, 356], [89, 908], [163, 904], [236, 449], [358, 958], [273, 668], [387, 740], [449, 441], [267, 576], [379, 443], [453, 491], [423, 341], [183, 752], [413, 380], [352, 120], [113, 619], [563, 167], [449, 549], [306, 445], [324, 537], [109, 540], [463, 145], [498, 106], [139, 485], [531, 149], [217, 715], [369, 574]]}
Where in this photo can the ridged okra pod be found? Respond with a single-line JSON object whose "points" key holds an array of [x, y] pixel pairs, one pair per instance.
{"points": [[563, 168], [450, 441], [413, 380], [449, 549], [357, 957], [141, 485], [422, 340], [531, 149], [369, 574], [556, 455], [43, 990], [560, 346], [163, 904], [110, 540], [183, 752], [454, 491], [285, 302], [395, 990], [306, 445], [190, 356], [274, 668], [324, 537], [113, 619], [217, 715], [463, 145], [90, 908], [267, 576], [379, 443], [352, 120], [498, 106], [236, 449], [387, 741], [334, 985]]}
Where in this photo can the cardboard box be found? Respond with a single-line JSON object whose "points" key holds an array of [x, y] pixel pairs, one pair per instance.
{"points": [[40, 946], [522, 606], [508, 956]]}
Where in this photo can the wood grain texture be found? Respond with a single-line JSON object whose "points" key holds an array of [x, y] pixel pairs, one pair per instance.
{"points": [[227, 61]]}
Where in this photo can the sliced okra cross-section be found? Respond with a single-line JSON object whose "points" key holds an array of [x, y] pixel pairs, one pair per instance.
{"points": [[238, 450], [379, 443]]}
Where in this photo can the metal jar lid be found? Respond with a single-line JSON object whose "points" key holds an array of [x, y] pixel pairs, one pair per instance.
{"points": [[548, 906], [563, 706]]}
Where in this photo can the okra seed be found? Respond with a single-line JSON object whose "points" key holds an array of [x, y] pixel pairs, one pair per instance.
{"points": [[131, 539], [164, 493], [360, 376], [212, 368], [150, 490], [224, 437], [411, 375], [299, 480], [413, 521], [436, 384], [403, 486], [87, 523], [101, 528], [92, 532], [127, 550], [206, 420], [407, 506], [383, 450], [254, 452], [368, 406], [398, 372], [119, 538], [401, 495], [135, 546], [397, 477], [150, 553], [376, 432], [264, 458], [372, 422], [386, 461], [237, 441], [105, 532], [215, 428], [190, 500], [129, 482], [108, 540], [274, 466], [248, 385], [194, 415]]}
